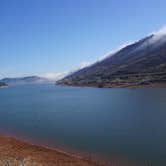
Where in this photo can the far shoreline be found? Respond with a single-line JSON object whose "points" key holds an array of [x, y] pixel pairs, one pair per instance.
{"points": [[3, 84], [155, 85]]}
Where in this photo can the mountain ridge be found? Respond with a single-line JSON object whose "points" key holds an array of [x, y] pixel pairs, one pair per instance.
{"points": [[137, 64]]}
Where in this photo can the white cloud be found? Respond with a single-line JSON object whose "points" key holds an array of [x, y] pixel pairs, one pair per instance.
{"points": [[54, 76], [161, 31], [159, 36], [84, 64]]}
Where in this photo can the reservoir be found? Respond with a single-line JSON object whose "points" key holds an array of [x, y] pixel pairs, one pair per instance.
{"points": [[129, 123]]}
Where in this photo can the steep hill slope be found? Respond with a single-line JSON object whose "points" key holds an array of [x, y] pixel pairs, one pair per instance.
{"points": [[141, 63]]}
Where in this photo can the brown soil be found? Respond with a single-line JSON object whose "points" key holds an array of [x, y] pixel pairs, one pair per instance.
{"points": [[14, 152], [17, 153]]}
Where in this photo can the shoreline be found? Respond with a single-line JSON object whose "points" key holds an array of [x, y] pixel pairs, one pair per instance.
{"points": [[156, 85], [1, 87], [14, 152]]}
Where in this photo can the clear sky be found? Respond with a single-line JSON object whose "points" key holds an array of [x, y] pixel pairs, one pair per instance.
{"points": [[45, 36]]}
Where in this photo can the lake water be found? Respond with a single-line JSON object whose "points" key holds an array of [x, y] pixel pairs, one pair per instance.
{"points": [[110, 122]]}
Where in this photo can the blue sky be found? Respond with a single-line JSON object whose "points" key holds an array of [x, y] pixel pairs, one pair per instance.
{"points": [[52, 36]]}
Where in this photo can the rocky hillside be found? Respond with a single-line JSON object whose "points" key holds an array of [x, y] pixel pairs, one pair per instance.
{"points": [[139, 64]]}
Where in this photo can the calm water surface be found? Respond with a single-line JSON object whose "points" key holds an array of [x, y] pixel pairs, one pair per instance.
{"points": [[123, 122]]}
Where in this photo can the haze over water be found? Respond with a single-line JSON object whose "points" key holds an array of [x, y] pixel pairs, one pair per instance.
{"points": [[121, 122]]}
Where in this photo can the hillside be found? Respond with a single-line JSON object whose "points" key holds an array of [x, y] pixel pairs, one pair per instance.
{"points": [[142, 63]]}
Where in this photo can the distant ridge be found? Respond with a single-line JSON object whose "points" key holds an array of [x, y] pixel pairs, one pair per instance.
{"points": [[2, 84], [25, 80], [138, 64]]}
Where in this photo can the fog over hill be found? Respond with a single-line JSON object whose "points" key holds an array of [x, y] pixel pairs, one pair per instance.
{"points": [[140, 63]]}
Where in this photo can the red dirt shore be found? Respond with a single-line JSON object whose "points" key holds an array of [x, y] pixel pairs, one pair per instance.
{"points": [[17, 153], [14, 152]]}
